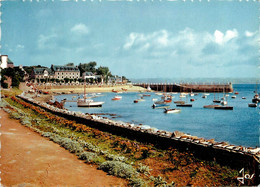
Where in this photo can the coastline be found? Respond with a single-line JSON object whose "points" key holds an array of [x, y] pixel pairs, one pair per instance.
{"points": [[79, 89]]}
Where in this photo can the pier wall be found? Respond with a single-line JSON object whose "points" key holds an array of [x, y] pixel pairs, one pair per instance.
{"points": [[236, 157], [172, 87]]}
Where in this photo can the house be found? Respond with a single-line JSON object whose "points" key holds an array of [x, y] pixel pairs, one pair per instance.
{"points": [[115, 79], [5, 62], [42, 73], [88, 75], [62, 72]]}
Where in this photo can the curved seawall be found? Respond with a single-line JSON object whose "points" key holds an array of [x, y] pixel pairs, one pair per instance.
{"points": [[237, 157]]}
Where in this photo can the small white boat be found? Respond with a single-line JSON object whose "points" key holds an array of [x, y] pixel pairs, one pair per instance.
{"points": [[89, 103], [233, 97], [173, 110], [223, 102], [154, 99]]}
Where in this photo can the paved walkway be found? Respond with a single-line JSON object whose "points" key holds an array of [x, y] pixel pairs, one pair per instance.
{"points": [[27, 158]]}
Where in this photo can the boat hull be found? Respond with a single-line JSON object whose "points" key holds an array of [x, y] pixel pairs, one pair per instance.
{"points": [[184, 105], [90, 104], [224, 108]]}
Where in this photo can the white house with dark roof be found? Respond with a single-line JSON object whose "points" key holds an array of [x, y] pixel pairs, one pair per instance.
{"points": [[42, 73], [5, 62], [62, 72], [88, 75]]}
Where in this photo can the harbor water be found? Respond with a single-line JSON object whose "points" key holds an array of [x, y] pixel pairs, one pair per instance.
{"points": [[239, 126]]}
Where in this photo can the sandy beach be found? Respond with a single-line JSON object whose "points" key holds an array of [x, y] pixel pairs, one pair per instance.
{"points": [[79, 89]]}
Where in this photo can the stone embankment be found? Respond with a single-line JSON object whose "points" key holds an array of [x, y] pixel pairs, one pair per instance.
{"points": [[237, 157]]}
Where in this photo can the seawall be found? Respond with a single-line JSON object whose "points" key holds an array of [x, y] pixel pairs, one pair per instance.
{"points": [[237, 157], [173, 87]]}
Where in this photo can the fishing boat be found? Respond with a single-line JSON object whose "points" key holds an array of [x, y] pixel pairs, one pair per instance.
{"points": [[163, 105], [211, 106], [256, 98], [88, 102], [117, 97], [224, 108], [252, 105], [216, 100], [167, 99], [204, 96], [179, 102], [173, 110], [184, 105]]}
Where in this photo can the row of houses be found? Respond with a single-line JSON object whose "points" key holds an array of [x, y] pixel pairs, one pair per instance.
{"points": [[70, 72], [57, 72]]}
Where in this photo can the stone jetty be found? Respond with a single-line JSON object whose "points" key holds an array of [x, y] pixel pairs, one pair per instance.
{"points": [[186, 87]]}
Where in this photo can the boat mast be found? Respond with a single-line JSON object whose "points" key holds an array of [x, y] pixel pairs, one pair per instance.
{"points": [[84, 89]]}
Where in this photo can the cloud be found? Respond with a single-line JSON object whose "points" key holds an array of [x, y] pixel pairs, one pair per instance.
{"points": [[46, 41], [250, 34], [191, 47], [221, 38], [80, 29], [141, 41]]}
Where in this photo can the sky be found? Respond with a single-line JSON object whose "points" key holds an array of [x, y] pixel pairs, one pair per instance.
{"points": [[136, 38]]}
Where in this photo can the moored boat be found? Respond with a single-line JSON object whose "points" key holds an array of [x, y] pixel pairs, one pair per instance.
{"points": [[224, 108], [252, 105], [179, 102], [163, 105], [173, 110], [233, 96], [89, 103], [216, 101], [211, 106], [117, 97], [184, 105]]}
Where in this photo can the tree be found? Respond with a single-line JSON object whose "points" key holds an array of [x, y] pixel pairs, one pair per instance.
{"points": [[89, 67], [15, 73], [70, 64], [104, 72]]}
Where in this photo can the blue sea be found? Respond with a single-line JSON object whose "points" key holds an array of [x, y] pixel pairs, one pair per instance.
{"points": [[239, 126]]}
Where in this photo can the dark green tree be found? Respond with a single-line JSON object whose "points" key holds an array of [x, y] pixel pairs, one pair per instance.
{"points": [[89, 67]]}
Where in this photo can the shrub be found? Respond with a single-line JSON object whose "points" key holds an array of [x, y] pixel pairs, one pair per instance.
{"points": [[158, 181], [115, 157], [15, 115], [136, 182], [87, 156], [72, 146], [143, 169], [47, 134], [118, 169]]}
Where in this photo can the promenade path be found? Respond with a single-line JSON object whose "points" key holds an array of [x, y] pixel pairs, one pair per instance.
{"points": [[31, 160]]}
